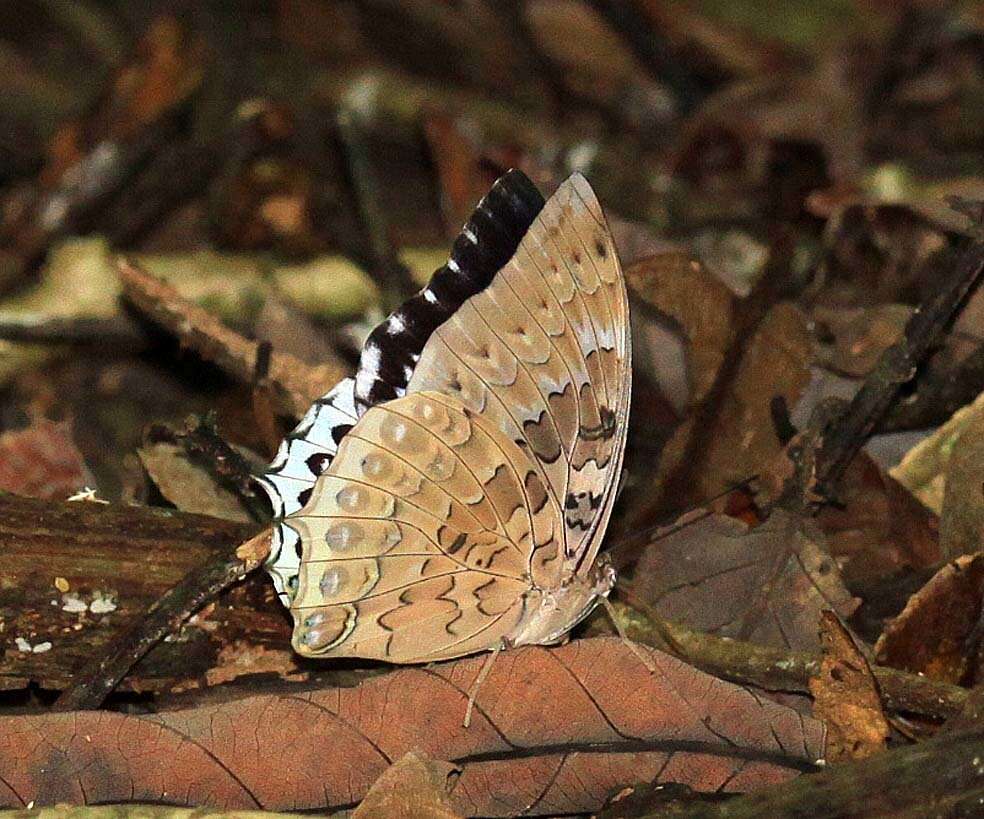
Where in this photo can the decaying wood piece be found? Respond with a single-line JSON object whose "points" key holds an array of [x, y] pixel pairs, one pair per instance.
{"points": [[75, 577], [296, 384], [201, 585]]}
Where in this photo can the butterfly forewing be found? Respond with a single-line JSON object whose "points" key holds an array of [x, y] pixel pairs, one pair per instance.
{"points": [[420, 538], [487, 241], [544, 353]]}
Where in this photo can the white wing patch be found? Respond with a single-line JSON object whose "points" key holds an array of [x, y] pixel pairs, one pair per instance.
{"points": [[303, 457]]}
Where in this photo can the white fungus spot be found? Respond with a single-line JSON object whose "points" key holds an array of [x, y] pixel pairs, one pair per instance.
{"points": [[102, 603], [71, 602]]}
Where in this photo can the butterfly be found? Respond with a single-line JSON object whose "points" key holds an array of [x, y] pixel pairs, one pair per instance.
{"points": [[452, 498]]}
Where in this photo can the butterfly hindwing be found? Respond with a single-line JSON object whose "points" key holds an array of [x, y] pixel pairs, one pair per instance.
{"points": [[420, 539], [453, 498]]}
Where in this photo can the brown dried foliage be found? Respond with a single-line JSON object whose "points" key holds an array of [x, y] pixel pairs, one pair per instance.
{"points": [[767, 584], [846, 696], [554, 731], [938, 632]]}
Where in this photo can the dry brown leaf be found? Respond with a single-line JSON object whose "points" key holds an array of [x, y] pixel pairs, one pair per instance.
{"points": [[188, 486], [877, 526], [554, 731], [560, 29], [846, 696], [923, 469], [937, 632], [767, 585], [681, 289], [741, 440], [862, 335], [413, 787], [636, 241], [42, 461], [962, 516]]}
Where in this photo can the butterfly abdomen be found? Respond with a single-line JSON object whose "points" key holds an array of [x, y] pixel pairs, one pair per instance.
{"points": [[487, 241]]}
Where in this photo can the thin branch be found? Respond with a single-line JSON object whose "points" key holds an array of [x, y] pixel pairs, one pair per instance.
{"points": [[201, 441], [846, 435], [296, 384], [776, 670], [119, 332], [940, 777]]}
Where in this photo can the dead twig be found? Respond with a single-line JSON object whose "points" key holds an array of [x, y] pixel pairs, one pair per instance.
{"points": [[295, 384], [834, 443], [776, 670], [940, 777], [119, 332], [201, 441]]}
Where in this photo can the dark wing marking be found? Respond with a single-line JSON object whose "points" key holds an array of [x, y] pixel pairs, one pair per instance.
{"points": [[487, 241]]}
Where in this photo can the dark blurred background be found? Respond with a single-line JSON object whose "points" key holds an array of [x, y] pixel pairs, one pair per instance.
{"points": [[298, 167]]}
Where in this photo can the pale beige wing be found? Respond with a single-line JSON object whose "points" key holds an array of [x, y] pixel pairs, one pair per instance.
{"points": [[420, 540], [544, 353]]}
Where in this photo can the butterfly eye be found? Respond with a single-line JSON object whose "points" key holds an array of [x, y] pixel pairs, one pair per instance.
{"points": [[292, 583], [344, 535]]}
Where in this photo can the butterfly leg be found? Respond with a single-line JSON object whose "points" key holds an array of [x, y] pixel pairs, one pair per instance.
{"points": [[475, 686], [630, 644]]}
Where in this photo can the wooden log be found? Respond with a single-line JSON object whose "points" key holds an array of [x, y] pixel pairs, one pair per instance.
{"points": [[74, 577]]}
